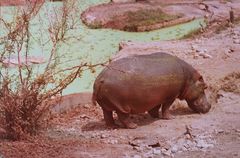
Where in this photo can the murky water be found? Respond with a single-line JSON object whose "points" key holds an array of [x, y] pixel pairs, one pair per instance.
{"points": [[95, 45]]}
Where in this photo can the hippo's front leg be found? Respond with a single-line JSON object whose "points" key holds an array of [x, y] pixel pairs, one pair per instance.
{"points": [[125, 120], [165, 110], [154, 112]]}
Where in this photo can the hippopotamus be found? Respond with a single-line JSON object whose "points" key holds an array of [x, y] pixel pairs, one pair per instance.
{"points": [[140, 83]]}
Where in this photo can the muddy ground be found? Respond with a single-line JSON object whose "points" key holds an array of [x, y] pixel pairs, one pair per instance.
{"points": [[80, 132]]}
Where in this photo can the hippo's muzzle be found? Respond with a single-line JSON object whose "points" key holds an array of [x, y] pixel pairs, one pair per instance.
{"points": [[200, 105]]}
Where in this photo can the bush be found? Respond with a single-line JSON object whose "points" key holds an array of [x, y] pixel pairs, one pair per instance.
{"points": [[26, 93]]}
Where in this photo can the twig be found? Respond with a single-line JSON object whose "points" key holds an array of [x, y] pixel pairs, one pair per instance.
{"points": [[188, 131]]}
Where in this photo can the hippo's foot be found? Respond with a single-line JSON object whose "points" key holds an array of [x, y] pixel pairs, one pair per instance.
{"points": [[165, 110], [125, 120], [111, 125], [130, 125], [154, 112], [168, 116]]}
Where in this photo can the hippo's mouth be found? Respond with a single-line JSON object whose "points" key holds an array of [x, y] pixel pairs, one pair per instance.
{"points": [[200, 105]]}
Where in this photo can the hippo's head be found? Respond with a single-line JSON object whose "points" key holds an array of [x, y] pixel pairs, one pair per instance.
{"points": [[195, 96]]}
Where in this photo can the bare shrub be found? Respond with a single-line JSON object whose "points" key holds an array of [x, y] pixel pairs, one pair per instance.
{"points": [[27, 94]]}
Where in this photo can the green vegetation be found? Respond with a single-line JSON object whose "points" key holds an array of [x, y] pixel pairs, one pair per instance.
{"points": [[191, 34], [147, 17], [95, 25], [225, 1]]}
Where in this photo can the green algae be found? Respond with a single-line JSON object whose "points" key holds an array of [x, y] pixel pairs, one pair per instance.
{"points": [[91, 45]]}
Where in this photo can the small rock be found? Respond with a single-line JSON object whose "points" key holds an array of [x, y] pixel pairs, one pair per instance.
{"points": [[210, 145], [188, 136], [157, 151], [237, 130], [148, 147], [86, 106], [198, 41], [202, 6], [113, 141], [163, 150], [137, 156], [194, 148], [230, 50], [103, 136], [167, 153], [181, 141], [236, 41], [148, 154], [189, 143], [235, 36], [205, 50], [126, 156], [167, 145], [226, 55], [138, 148], [219, 131], [204, 55], [195, 47], [184, 148], [84, 116], [174, 149], [124, 44], [202, 144]]}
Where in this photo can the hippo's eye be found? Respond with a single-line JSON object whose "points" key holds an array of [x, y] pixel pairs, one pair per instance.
{"points": [[202, 83]]}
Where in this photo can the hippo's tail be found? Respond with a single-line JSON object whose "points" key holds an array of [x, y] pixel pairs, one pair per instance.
{"points": [[96, 89]]}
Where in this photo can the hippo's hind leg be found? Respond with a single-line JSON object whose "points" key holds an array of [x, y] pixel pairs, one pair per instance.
{"points": [[125, 120], [108, 118], [165, 110], [154, 112]]}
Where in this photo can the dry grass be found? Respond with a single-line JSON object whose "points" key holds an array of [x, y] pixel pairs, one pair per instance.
{"points": [[146, 17]]}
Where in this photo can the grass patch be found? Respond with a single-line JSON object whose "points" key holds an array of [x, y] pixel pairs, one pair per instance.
{"points": [[94, 25], [221, 28], [191, 34], [237, 21], [146, 18], [231, 83]]}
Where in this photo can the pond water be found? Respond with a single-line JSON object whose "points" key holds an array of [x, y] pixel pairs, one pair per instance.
{"points": [[94, 45]]}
